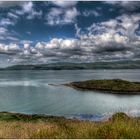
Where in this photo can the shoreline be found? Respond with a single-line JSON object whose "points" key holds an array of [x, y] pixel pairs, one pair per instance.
{"points": [[75, 117]]}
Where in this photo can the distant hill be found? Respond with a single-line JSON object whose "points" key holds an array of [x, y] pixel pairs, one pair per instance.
{"points": [[76, 66]]}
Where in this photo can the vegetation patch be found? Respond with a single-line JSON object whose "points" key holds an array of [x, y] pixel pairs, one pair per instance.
{"points": [[114, 86], [13, 125]]}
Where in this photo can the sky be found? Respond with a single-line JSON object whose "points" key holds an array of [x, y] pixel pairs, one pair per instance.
{"points": [[44, 32]]}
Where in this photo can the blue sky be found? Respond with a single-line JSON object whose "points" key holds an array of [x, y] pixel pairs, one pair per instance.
{"points": [[68, 31]]}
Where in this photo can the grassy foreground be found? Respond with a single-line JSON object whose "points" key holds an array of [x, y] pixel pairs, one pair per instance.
{"points": [[114, 86], [35, 126]]}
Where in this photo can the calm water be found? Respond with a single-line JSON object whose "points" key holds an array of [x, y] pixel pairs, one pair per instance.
{"points": [[29, 92]]}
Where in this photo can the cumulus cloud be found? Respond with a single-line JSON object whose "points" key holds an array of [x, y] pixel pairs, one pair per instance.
{"points": [[58, 47], [64, 13], [9, 49], [28, 8], [114, 39], [58, 16]]}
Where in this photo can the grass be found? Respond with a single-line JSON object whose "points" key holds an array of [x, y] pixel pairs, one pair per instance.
{"points": [[115, 85], [36, 126]]}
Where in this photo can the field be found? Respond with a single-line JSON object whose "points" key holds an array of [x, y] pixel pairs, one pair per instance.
{"points": [[35, 126]]}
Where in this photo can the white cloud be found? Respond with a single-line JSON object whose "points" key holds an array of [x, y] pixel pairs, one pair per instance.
{"points": [[26, 46], [58, 44], [58, 16], [6, 22], [12, 15], [34, 14], [12, 38], [78, 30], [3, 31], [26, 42], [9, 49], [13, 47], [65, 12], [63, 3], [5, 34], [127, 5], [27, 8], [87, 13], [114, 39]]}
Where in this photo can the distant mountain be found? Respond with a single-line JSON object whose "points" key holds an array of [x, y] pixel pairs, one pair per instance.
{"points": [[76, 66]]}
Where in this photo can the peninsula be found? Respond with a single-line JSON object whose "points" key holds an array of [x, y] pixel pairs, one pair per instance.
{"points": [[112, 86]]}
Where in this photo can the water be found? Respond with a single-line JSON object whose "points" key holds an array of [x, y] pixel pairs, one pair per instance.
{"points": [[30, 92]]}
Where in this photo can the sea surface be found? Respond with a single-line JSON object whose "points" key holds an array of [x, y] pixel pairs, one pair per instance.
{"points": [[29, 92]]}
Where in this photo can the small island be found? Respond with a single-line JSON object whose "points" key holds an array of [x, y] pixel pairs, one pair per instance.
{"points": [[117, 86]]}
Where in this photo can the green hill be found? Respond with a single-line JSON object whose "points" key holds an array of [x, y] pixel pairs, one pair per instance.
{"points": [[76, 66]]}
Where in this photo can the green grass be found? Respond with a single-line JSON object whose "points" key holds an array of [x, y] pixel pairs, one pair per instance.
{"points": [[30, 126], [115, 85]]}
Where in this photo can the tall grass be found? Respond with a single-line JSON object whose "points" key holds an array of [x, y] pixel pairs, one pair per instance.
{"points": [[119, 126]]}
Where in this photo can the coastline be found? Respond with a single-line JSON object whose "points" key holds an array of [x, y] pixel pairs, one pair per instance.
{"points": [[34, 116]]}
